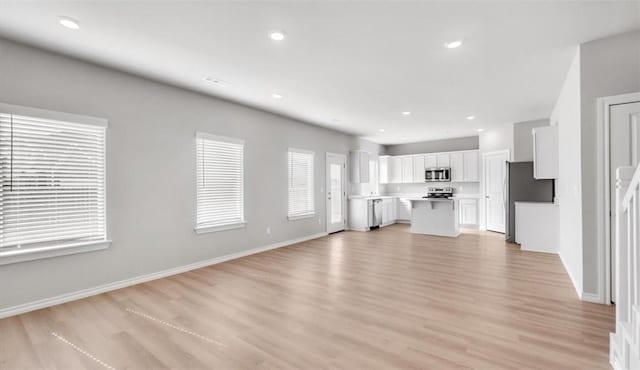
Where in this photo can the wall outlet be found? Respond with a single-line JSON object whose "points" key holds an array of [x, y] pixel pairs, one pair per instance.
{"points": [[268, 230]]}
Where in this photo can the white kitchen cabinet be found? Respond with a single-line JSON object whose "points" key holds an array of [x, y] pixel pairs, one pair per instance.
{"points": [[470, 166], [468, 212], [359, 166], [395, 170], [457, 167], [545, 152], [430, 160], [403, 209], [407, 170], [383, 169], [358, 214], [537, 226], [443, 160], [388, 211], [418, 168]]}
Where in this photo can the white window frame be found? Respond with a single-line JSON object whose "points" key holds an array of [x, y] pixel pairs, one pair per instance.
{"points": [[230, 226], [313, 159], [23, 254]]}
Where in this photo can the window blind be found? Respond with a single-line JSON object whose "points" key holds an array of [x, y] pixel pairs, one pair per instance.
{"points": [[301, 201], [52, 187], [220, 181]]}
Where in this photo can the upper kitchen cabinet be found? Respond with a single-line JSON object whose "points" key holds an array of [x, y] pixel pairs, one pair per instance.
{"points": [[383, 169], [464, 166], [411, 168], [457, 167], [430, 161], [418, 168], [470, 168], [407, 169], [395, 170], [545, 152], [359, 162], [443, 160]]}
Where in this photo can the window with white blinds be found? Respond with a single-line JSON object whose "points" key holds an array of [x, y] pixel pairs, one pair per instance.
{"points": [[220, 183], [301, 202], [52, 174]]}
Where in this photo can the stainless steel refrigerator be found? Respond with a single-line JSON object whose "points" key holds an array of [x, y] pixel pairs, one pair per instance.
{"points": [[521, 186]]}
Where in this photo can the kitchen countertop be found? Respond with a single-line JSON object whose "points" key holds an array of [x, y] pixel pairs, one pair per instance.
{"points": [[408, 196]]}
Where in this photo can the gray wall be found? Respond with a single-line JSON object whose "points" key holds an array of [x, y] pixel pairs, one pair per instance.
{"points": [[446, 145], [151, 171], [609, 66], [523, 141]]}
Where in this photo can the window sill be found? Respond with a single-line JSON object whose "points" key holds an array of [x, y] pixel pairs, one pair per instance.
{"points": [[30, 254], [301, 217], [213, 229]]}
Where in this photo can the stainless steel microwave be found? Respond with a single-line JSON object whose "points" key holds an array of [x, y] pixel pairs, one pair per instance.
{"points": [[434, 174]]}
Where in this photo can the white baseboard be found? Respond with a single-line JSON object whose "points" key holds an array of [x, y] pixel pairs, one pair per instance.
{"points": [[592, 297], [67, 297], [566, 269]]}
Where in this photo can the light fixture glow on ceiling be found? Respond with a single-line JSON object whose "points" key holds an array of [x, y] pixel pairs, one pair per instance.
{"points": [[277, 35], [471, 118], [217, 81], [480, 130], [381, 130], [406, 113], [69, 22], [277, 96], [453, 44]]}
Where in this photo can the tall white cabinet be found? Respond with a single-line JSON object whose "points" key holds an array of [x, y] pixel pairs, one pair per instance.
{"points": [[359, 166], [545, 152]]}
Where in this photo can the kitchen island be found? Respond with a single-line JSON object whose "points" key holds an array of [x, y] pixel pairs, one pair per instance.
{"points": [[434, 216]]}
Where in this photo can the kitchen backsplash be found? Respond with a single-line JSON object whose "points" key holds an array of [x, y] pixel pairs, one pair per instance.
{"points": [[460, 187]]}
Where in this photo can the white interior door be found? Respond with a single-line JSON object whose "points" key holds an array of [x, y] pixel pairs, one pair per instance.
{"points": [[336, 192], [494, 189], [623, 151]]}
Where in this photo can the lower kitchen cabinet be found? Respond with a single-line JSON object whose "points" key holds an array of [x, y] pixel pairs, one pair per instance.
{"points": [[388, 211], [403, 209], [468, 212]]}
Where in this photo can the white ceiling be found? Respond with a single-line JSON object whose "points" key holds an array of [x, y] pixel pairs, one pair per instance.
{"points": [[352, 66]]}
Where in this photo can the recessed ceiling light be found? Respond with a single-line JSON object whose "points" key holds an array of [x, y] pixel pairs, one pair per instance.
{"points": [[277, 96], [69, 22], [471, 118], [404, 138], [453, 44], [381, 130], [277, 35], [406, 113], [480, 130], [217, 81]]}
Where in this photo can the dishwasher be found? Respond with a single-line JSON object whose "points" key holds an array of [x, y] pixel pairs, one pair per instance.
{"points": [[375, 213]]}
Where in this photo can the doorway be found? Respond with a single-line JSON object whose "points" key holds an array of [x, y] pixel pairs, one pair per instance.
{"points": [[494, 164], [624, 136], [336, 201]]}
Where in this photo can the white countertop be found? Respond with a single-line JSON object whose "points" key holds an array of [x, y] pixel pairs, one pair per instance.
{"points": [[540, 203], [420, 199], [409, 196], [371, 196]]}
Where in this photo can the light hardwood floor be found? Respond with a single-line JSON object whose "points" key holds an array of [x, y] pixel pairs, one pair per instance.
{"points": [[383, 299]]}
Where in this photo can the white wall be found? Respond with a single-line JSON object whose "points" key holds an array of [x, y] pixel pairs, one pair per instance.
{"points": [[151, 171], [434, 146], [566, 115], [523, 140], [609, 66]]}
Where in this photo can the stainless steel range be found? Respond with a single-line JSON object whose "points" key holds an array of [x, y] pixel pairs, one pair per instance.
{"points": [[442, 193]]}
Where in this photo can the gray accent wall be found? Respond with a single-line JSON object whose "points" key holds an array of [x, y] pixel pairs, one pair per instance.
{"points": [[151, 171], [445, 145], [523, 140], [609, 66]]}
